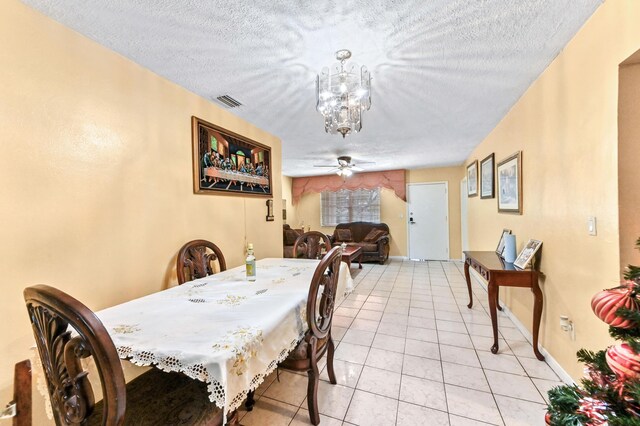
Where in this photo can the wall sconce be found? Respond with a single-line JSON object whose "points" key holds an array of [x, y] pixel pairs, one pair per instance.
{"points": [[270, 217]]}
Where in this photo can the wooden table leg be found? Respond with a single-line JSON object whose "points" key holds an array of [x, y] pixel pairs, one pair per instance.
{"points": [[493, 297], [360, 260], [537, 314], [250, 402], [498, 298], [468, 277], [233, 419]]}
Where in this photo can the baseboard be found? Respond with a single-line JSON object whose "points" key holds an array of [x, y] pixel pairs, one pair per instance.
{"points": [[551, 361], [398, 258], [407, 258]]}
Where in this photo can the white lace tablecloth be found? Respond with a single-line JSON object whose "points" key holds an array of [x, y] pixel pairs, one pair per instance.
{"points": [[222, 329]]}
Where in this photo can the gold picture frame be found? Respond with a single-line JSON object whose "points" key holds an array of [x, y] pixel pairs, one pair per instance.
{"points": [[526, 256], [225, 162], [509, 177]]}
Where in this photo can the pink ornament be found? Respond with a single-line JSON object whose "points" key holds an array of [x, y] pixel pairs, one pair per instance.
{"points": [[594, 410], [624, 361], [607, 302]]}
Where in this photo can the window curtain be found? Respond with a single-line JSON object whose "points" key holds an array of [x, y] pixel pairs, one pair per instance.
{"points": [[390, 179]]}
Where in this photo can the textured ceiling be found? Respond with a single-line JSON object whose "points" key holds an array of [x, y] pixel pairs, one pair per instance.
{"points": [[444, 72]]}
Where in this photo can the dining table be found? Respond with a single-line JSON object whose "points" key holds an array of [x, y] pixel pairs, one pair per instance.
{"points": [[222, 329]]}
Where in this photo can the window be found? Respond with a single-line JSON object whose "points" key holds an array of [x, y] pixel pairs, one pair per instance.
{"points": [[349, 206]]}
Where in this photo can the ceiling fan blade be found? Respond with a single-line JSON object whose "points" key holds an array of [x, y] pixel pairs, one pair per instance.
{"points": [[364, 162], [357, 169], [333, 165], [335, 170]]}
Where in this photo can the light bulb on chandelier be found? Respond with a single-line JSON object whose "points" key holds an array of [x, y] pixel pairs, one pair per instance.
{"points": [[343, 92], [346, 172]]}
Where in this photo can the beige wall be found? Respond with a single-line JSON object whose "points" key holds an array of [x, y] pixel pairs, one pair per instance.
{"points": [[628, 160], [566, 126], [97, 177], [393, 211]]}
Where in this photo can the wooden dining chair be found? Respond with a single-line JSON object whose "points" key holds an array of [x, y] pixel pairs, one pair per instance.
{"points": [[317, 340], [19, 409], [309, 245], [66, 331], [197, 258]]}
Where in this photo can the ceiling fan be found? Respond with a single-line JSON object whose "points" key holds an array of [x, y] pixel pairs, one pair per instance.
{"points": [[345, 167]]}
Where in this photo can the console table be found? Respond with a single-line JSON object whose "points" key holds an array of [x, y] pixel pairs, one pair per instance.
{"points": [[499, 273]]}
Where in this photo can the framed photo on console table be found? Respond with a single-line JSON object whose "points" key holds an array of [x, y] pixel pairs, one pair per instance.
{"points": [[527, 254], [227, 163], [500, 247], [510, 184]]}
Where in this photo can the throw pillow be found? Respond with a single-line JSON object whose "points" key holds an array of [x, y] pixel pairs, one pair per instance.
{"points": [[290, 237], [343, 235], [373, 235]]}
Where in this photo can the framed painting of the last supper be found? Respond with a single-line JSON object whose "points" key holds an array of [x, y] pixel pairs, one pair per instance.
{"points": [[225, 162]]}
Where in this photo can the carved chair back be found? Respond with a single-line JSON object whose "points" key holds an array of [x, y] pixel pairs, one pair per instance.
{"points": [[320, 306], [196, 260], [67, 331], [310, 245]]}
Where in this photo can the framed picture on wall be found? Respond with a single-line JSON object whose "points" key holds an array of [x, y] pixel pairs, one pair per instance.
{"points": [[509, 178], [527, 254], [487, 183], [472, 179], [228, 163], [500, 247]]}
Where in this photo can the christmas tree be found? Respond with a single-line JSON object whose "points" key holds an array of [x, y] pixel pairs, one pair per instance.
{"points": [[609, 394]]}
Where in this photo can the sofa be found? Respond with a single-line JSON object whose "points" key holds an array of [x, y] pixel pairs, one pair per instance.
{"points": [[375, 245], [289, 236]]}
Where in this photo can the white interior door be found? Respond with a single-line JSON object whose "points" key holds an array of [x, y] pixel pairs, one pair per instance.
{"points": [[428, 213], [463, 215]]}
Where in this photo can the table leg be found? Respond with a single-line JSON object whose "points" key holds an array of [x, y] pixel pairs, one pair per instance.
{"points": [[537, 314], [493, 297], [360, 260], [498, 298], [233, 419], [250, 402], [468, 277]]}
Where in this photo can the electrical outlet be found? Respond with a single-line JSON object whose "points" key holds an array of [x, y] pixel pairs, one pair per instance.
{"points": [[567, 325]]}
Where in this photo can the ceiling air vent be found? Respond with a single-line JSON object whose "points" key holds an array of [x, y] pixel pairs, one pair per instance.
{"points": [[228, 101]]}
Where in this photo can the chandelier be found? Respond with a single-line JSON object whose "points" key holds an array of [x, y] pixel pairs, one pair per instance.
{"points": [[343, 92]]}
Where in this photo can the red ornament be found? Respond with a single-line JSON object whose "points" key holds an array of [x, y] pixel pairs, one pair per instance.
{"points": [[624, 361], [547, 418], [607, 302], [594, 410]]}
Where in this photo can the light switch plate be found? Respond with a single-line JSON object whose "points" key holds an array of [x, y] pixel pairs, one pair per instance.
{"points": [[591, 225]]}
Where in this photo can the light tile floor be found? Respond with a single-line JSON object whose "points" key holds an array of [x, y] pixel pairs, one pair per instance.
{"points": [[409, 352]]}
